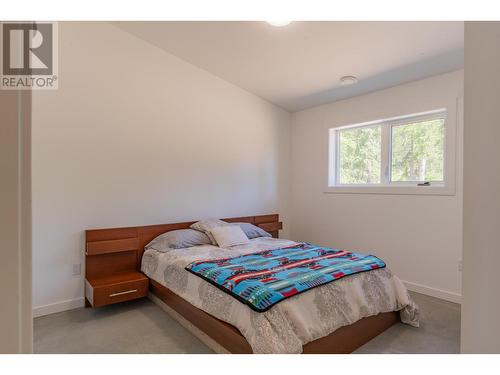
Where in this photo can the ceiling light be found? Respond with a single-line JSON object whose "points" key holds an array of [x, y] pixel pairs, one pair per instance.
{"points": [[348, 80], [278, 23]]}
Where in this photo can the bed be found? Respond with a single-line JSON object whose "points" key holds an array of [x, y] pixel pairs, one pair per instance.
{"points": [[336, 317]]}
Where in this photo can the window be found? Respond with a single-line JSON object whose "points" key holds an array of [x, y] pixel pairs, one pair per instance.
{"points": [[417, 151], [360, 151], [400, 152]]}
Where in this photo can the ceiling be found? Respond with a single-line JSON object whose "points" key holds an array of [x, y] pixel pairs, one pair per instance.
{"points": [[299, 66]]}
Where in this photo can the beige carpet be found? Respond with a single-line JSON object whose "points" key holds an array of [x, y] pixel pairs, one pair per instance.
{"points": [[142, 327]]}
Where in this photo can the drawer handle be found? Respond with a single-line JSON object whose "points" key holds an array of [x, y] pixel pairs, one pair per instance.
{"points": [[121, 293]]}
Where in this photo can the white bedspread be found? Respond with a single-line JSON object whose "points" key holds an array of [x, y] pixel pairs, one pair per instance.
{"points": [[290, 324]]}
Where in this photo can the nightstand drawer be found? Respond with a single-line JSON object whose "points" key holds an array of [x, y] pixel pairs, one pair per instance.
{"points": [[106, 294]]}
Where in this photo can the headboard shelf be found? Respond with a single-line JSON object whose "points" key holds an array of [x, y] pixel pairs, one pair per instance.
{"points": [[112, 246]]}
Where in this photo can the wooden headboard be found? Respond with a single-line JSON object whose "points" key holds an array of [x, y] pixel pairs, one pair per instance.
{"points": [[114, 250]]}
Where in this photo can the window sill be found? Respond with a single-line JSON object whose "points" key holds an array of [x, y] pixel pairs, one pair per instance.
{"points": [[391, 190]]}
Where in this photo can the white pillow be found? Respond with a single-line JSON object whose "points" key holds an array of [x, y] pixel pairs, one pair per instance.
{"points": [[229, 235], [207, 225]]}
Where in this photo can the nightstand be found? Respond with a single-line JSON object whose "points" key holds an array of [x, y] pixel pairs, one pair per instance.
{"points": [[116, 288], [111, 271]]}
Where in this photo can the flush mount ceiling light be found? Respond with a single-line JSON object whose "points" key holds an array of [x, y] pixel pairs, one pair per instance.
{"points": [[279, 23], [348, 80]]}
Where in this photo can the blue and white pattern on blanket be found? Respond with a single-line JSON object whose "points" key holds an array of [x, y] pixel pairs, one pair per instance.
{"points": [[263, 279]]}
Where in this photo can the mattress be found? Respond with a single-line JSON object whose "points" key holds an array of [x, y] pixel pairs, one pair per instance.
{"points": [[292, 323]]}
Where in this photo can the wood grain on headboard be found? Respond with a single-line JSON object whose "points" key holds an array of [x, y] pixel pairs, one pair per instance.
{"points": [[114, 250]]}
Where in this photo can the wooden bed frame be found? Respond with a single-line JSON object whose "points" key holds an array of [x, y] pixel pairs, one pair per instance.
{"points": [[124, 250]]}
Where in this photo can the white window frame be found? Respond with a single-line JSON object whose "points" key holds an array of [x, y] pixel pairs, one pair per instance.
{"points": [[445, 187]]}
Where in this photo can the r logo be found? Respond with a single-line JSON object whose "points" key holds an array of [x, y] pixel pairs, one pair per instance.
{"points": [[27, 49]]}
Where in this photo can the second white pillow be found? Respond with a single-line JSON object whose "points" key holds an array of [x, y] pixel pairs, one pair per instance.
{"points": [[228, 236]]}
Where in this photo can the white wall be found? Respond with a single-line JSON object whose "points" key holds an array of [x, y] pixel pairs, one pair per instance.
{"points": [[480, 331], [418, 236], [137, 136]]}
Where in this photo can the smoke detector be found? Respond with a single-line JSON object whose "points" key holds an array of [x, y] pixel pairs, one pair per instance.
{"points": [[348, 80], [279, 23]]}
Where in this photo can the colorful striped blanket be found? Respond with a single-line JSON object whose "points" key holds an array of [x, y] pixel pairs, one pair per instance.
{"points": [[263, 279]]}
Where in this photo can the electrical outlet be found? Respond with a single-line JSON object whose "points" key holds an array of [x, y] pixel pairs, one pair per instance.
{"points": [[77, 269], [460, 265]]}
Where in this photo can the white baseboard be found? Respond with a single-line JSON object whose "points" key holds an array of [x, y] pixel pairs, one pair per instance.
{"points": [[433, 292], [58, 307]]}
